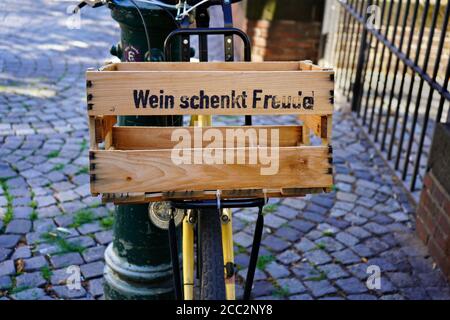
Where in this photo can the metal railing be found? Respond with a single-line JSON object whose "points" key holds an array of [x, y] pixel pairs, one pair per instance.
{"points": [[396, 75]]}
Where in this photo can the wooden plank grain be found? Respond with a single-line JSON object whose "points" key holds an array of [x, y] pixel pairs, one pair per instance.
{"points": [[146, 138], [153, 171], [209, 66], [179, 92]]}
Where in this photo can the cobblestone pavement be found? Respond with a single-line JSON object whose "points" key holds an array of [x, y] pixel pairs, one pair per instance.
{"points": [[318, 247]]}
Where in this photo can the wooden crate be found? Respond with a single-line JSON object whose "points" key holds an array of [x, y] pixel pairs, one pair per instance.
{"points": [[134, 164]]}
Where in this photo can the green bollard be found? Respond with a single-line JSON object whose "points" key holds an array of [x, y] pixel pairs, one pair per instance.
{"points": [[138, 264]]}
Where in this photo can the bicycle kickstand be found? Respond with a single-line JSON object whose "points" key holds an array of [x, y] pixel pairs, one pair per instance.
{"points": [[254, 254]]}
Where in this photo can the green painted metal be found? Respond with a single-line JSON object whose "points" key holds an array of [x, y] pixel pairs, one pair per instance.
{"points": [[138, 262]]}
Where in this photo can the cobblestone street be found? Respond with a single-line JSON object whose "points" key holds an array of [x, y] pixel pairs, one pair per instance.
{"points": [[318, 247]]}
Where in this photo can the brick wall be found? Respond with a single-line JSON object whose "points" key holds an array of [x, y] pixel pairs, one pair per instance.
{"points": [[284, 39], [284, 29], [433, 213]]}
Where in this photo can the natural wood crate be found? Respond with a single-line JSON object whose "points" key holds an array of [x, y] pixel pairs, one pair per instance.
{"points": [[134, 164]]}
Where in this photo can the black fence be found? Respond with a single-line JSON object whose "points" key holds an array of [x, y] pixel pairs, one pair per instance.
{"points": [[393, 65]]}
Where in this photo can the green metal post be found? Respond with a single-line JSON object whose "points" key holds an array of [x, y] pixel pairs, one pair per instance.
{"points": [[138, 262]]}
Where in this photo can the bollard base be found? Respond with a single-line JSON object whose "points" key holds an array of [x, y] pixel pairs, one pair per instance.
{"points": [[125, 281]]}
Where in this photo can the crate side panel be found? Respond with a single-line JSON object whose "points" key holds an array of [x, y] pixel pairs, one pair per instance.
{"points": [[154, 171]]}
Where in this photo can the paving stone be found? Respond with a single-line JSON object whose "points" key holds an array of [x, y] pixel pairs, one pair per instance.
{"points": [[354, 219], [9, 240], [315, 212], [329, 244], [5, 282], [65, 293], [358, 232], [295, 203], [346, 256], [317, 257], [361, 297], [433, 279], [7, 268], [67, 259], [293, 286], [259, 274], [243, 239], [438, 293], [43, 225], [347, 239], [35, 263], [301, 297], [287, 233], [4, 254], [96, 287], [320, 288], [275, 243], [421, 265], [376, 246], [415, 293], [82, 241], [346, 196], [376, 228], [66, 196], [384, 264], [402, 280], [301, 225], [23, 212], [104, 237], [277, 270], [392, 297], [30, 280], [305, 245], [22, 252], [273, 221], [322, 201], [363, 250], [286, 212], [92, 270], [94, 254], [333, 271], [312, 216], [345, 178], [19, 226], [29, 294], [399, 216], [45, 201], [60, 276], [288, 257], [351, 286], [262, 288], [90, 228], [64, 220]]}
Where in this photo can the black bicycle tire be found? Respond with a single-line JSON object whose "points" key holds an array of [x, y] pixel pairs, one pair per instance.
{"points": [[212, 269]]}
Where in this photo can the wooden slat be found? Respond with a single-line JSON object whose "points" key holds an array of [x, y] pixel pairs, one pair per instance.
{"points": [[142, 138], [153, 171], [318, 124], [209, 66], [103, 129], [308, 65], [113, 91]]}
